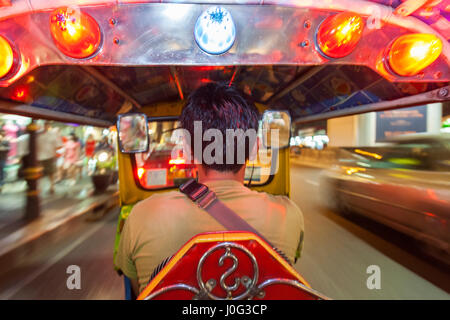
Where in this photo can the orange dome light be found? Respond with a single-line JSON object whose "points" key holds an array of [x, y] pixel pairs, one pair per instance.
{"points": [[6, 57], [75, 33], [338, 35], [411, 53]]}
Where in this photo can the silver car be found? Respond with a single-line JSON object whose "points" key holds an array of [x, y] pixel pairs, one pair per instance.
{"points": [[404, 184]]}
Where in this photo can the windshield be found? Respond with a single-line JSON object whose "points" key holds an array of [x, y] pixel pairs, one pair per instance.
{"points": [[166, 166]]}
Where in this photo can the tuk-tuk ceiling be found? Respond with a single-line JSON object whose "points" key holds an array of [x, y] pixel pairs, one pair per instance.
{"points": [[74, 89], [163, 63]]}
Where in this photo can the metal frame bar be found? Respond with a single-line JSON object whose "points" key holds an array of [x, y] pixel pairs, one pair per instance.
{"points": [[174, 74], [235, 73], [294, 84], [437, 95], [41, 113], [97, 75]]}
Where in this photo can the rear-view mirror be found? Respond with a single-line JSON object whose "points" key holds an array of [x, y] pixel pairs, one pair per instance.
{"points": [[133, 133], [276, 127]]}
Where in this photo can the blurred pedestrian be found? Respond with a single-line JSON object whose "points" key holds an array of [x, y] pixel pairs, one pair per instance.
{"points": [[89, 147], [11, 130], [72, 156], [22, 145], [89, 151], [4, 150], [104, 144], [48, 143], [59, 155]]}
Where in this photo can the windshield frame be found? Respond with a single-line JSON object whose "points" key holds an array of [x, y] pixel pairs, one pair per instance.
{"points": [[176, 118]]}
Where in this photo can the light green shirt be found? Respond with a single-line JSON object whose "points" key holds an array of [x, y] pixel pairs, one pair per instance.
{"points": [[160, 225]]}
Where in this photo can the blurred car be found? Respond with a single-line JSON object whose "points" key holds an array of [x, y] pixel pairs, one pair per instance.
{"points": [[404, 185]]}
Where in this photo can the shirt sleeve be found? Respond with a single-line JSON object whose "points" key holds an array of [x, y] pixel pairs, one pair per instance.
{"points": [[298, 252], [301, 226], [124, 258]]}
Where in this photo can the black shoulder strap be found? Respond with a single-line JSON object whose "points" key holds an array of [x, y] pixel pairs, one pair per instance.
{"points": [[207, 200]]}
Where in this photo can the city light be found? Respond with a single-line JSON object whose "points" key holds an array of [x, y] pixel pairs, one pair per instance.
{"points": [[177, 161], [103, 156], [370, 154], [140, 172]]}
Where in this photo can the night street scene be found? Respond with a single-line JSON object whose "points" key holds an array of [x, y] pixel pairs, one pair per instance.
{"points": [[224, 150]]}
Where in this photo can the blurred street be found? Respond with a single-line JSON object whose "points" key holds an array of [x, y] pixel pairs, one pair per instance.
{"points": [[339, 106], [336, 255], [338, 251], [13, 197]]}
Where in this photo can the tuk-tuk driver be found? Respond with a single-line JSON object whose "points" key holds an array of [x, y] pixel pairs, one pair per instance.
{"points": [[160, 225]]}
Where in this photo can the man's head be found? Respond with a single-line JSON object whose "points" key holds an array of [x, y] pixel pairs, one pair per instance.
{"points": [[73, 136], [220, 107]]}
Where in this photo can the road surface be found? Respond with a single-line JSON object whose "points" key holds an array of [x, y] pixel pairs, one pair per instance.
{"points": [[338, 251]]}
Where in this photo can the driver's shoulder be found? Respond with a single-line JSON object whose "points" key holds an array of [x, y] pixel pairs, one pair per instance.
{"points": [[160, 204], [281, 201]]}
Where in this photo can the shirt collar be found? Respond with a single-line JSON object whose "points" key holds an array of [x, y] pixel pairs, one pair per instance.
{"points": [[215, 184]]}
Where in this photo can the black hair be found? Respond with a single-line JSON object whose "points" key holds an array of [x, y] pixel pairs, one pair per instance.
{"points": [[220, 106], [74, 136]]}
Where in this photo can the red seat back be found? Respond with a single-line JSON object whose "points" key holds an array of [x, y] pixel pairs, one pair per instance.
{"points": [[228, 265]]}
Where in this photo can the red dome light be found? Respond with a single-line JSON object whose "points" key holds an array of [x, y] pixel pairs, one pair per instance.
{"points": [[338, 35], [75, 33], [21, 93]]}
